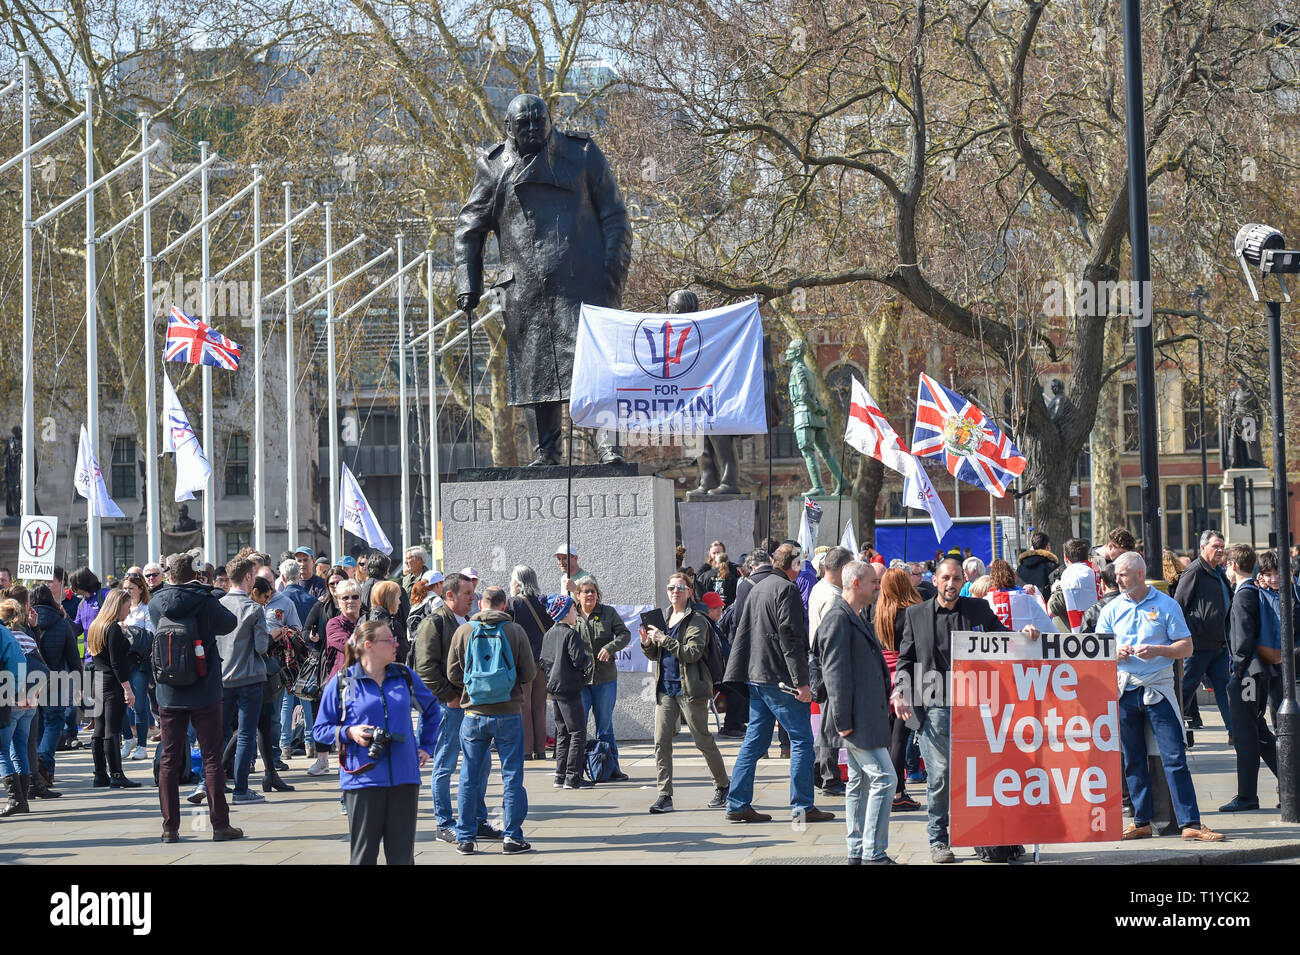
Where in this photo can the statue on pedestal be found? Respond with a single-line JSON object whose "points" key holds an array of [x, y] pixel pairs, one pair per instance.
{"points": [[717, 461], [564, 238], [810, 423], [1239, 445]]}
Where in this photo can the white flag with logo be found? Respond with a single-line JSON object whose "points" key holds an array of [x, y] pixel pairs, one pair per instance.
{"points": [[192, 466], [867, 431], [357, 516], [653, 374], [849, 540], [89, 480]]}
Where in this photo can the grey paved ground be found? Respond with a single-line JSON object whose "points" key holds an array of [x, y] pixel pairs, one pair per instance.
{"points": [[607, 825]]}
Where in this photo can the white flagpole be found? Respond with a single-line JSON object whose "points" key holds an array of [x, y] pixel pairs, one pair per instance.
{"points": [[93, 543], [153, 504], [332, 371], [291, 435], [401, 399], [434, 502], [29, 385], [210, 492], [259, 452]]}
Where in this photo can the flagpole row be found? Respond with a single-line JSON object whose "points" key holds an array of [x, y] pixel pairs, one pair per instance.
{"points": [[290, 410], [331, 286], [259, 376], [332, 374], [93, 542], [493, 311], [319, 265], [132, 216], [434, 500], [405, 452], [210, 489], [102, 180], [266, 241], [365, 299], [29, 151], [29, 320], [207, 220], [153, 519]]}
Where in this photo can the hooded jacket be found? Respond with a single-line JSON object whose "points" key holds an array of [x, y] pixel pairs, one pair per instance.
{"points": [[201, 602], [57, 643], [1036, 567]]}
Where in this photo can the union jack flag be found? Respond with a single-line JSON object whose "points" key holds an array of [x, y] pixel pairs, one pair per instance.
{"points": [[974, 449], [189, 340]]}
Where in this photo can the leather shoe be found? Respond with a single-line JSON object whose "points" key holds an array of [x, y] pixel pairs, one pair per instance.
{"points": [[171, 836], [818, 815], [748, 814], [1202, 833], [1134, 831], [619, 777], [1240, 805], [226, 834]]}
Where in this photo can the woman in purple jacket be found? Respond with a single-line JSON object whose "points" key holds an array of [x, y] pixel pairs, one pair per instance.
{"points": [[366, 710]]}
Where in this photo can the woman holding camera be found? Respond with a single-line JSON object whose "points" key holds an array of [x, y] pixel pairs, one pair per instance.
{"points": [[366, 709]]}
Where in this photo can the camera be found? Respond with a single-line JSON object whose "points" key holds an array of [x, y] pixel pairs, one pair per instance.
{"points": [[380, 740]]}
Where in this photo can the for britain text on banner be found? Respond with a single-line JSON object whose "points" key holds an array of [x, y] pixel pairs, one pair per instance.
{"points": [[648, 375], [1035, 739]]}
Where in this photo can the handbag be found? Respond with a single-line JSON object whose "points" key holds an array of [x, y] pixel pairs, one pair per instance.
{"points": [[311, 677]]}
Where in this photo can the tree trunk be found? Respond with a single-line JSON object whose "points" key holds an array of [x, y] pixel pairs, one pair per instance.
{"points": [[883, 354], [1107, 438]]}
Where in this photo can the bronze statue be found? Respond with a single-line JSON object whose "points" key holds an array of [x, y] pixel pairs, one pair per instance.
{"points": [[184, 523], [564, 238], [1060, 404], [719, 449], [14, 473], [1239, 445], [810, 423]]}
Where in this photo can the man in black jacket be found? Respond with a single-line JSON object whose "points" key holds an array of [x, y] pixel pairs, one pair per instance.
{"points": [[737, 694], [1248, 681], [1205, 595], [857, 710], [921, 687], [771, 648], [199, 702], [1036, 566]]}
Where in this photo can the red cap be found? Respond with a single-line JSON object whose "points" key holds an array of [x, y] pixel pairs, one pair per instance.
{"points": [[711, 600]]}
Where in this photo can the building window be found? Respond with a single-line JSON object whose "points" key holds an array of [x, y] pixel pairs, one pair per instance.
{"points": [[1192, 421], [235, 542], [83, 550], [237, 465], [782, 442], [1129, 415], [123, 552], [1183, 517], [123, 476]]}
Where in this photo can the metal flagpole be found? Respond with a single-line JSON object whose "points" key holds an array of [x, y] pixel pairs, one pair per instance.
{"points": [[434, 501], [259, 422], [401, 398], [331, 372], [210, 492], [29, 334], [469, 329], [153, 502], [290, 413], [93, 543]]}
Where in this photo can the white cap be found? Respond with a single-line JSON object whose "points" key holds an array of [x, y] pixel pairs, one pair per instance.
{"points": [[570, 550]]}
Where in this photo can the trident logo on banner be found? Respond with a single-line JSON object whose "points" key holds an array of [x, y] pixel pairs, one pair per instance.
{"points": [[38, 539], [659, 364]]}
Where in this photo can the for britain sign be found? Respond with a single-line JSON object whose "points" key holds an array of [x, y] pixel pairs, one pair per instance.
{"points": [[36, 547], [1035, 739]]}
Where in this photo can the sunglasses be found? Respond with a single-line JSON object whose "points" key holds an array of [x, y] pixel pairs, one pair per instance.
{"points": [[678, 587]]}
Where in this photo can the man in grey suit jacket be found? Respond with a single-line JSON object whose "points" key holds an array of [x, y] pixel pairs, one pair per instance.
{"points": [[857, 710]]}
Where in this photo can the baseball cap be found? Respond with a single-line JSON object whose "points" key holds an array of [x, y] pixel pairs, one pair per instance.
{"points": [[306, 550], [347, 561], [432, 577], [469, 572], [711, 600], [557, 608], [570, 550]]}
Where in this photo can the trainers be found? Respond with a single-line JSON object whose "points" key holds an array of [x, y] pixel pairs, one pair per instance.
{"points": [[662, 804], [558, 782], [580, 783], [1240, 805], [940, 854], [485, 831], [917, 777], [511, 847], [1202, 833], [127, 748], [719, 797], [904, 803], [139, 753], [445, 834], [320, 767], [1134, 831], [883, 860], [250, 796], [200, 793], [466, 848]]}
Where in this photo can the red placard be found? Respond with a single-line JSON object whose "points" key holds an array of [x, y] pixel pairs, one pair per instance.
{"points": [[1035, 739]]}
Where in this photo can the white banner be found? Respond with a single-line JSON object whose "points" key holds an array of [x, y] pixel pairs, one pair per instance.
{"points": [[357, 516], [89, 480], [36, 547], [654, 374], [192, 466]]}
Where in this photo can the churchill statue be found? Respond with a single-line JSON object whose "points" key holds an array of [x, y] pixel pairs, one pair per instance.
{"points": [[1239, 444], [564, 239]]}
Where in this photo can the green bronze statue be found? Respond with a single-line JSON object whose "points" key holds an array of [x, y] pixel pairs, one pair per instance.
{"points": [[810, 423]]}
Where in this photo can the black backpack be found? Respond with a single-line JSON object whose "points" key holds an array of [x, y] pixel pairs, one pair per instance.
{"points": [[713, 657], [174, 655], [999, 853]]}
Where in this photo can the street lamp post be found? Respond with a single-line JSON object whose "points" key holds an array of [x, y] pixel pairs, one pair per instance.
{"points": [[1203, 515]]}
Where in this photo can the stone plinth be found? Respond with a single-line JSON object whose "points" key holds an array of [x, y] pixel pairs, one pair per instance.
{"points": [[623, 530], [730, 520], [832, 525]]}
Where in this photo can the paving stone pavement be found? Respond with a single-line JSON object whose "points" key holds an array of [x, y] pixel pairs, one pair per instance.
{"points": [[608, 825]]}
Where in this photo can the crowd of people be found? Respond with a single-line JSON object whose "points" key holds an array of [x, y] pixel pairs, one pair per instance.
{"points": [[396, 672]]}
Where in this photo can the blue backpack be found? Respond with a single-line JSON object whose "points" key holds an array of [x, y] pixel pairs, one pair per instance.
{"points": [[490, 674], [600, 761]]}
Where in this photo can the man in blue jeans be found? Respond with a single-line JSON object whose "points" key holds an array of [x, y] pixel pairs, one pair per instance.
{"points": [[482, 653], [243, 671], [771, 648], [1205, 596], [1152, 634]]}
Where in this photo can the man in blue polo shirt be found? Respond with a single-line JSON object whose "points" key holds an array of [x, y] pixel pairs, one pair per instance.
{"points": [[1151, 634]]}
